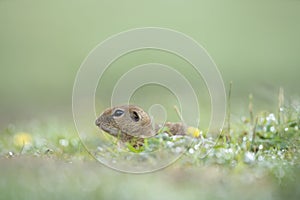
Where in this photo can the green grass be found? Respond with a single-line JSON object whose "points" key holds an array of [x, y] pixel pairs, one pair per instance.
{"points": [[254, 157]]}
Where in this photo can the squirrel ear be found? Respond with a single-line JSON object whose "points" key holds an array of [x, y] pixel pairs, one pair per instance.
{"points": [[134, 116]]}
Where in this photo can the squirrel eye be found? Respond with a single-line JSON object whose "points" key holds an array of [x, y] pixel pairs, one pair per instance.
{"points": [[118, 113]]}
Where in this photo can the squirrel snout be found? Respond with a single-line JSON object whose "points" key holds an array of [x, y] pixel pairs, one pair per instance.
{"points": [[97, 122]]}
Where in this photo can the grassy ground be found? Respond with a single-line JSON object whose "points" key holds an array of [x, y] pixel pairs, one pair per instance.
{"points": [[255, 157]]}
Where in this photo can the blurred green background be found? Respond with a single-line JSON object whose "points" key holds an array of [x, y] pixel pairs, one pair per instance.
{"points": [[42, 44], [255, 44]]}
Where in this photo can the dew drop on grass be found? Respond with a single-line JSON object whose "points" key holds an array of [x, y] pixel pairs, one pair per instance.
{"points": [[286, 129], [271, 117], [196, 147], [230, 150], [191, 151], [249, 157], [260, 158], [64, 142], [260, 147], [279, 153], [169, 144], [272, 129]]}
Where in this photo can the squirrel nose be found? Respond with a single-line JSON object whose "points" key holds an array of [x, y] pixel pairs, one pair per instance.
{"points": [[97, 122]]}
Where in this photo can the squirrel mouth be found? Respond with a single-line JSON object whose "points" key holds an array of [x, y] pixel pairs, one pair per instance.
{"points": [[113, 132], [102, 126], [104, 129]]}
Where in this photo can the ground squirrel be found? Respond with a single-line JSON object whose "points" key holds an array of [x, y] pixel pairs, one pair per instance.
{"points": [[130, 122]]}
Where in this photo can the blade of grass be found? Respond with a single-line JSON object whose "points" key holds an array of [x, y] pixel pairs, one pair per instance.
{"points": [[229, 113]]}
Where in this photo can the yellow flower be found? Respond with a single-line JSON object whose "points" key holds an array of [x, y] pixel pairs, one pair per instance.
{"points": [[21, 139], [195, 132]]}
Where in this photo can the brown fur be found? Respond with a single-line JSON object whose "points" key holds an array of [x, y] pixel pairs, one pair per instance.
{"points": [[129, 122]]}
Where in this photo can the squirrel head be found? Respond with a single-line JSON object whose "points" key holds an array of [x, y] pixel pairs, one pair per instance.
{"points": [[126, 119]]}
